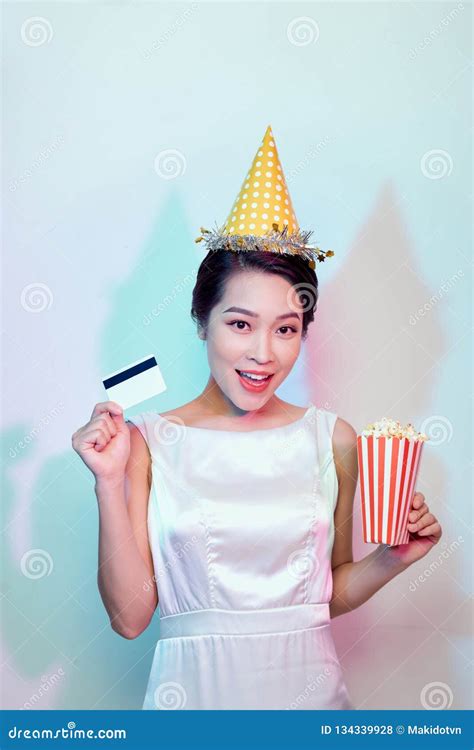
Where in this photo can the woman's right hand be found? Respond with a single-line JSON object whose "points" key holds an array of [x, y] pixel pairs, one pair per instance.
{"points": [[104, 442]]}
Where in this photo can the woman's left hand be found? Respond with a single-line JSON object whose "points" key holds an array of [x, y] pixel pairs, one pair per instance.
{"points": [[425, 531]]}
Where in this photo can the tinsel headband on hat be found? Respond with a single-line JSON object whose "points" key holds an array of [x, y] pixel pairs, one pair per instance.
{"points": [[262, 217]]}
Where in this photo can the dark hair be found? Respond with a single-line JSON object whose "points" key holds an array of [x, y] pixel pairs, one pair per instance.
{"points": [[219, 265]]}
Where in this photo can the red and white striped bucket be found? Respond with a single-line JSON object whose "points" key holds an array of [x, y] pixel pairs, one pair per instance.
{"points": [[387, 472]]}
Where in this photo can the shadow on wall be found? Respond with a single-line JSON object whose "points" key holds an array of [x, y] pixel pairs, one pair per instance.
{"points": [[58, 649], [371, 354]]}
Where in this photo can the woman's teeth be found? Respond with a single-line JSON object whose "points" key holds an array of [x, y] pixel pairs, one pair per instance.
{"points": [[253, 377], [253, 382]]}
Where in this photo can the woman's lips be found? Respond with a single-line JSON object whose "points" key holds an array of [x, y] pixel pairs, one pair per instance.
{"points": [[254, 385]]}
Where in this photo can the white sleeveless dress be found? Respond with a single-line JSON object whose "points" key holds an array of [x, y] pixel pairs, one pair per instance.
{"points": [[241, 531]]}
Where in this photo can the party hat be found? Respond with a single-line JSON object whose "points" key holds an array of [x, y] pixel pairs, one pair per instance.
{"points": [[262, 217]]}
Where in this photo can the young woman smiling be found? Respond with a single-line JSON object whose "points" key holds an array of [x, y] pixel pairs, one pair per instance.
{"points": [[233, 512]]}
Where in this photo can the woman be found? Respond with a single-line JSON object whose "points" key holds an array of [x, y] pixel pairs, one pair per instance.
{"points": [[248, 536], [234, 511]]}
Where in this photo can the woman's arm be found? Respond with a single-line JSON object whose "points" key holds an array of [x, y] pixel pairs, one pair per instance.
{"points": [[355, 582], [125, 575]]}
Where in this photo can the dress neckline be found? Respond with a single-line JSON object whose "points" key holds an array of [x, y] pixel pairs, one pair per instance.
{"points": [[241, 432]]}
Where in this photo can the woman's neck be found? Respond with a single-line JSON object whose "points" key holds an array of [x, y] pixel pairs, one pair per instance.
{"points": [[214, 402]]}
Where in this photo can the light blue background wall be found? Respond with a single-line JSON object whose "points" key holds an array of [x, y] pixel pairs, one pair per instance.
{"points": [[98, 234]]}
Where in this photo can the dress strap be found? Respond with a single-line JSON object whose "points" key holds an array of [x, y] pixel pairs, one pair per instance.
{"points": [[324, 430]]}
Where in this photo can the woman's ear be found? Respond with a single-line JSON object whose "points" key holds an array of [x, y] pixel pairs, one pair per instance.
{"points": [[201, 333]]}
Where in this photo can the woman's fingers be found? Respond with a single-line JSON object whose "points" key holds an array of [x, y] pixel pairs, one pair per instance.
{"points": [[415, 515], [106, 406], [433, 529], [426, 520], [107, 419], [96, 438], [101, 424], [101, 421], [418, 500]]}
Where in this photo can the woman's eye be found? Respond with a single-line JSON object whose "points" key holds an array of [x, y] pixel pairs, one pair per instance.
{"points": [[239, 321], [286, 328]]}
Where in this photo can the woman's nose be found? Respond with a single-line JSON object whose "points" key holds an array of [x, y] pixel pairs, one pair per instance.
{"points": [[262, 348]]}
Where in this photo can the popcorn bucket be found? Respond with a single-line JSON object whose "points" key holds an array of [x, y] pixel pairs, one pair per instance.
{"points": [[387, 468]]}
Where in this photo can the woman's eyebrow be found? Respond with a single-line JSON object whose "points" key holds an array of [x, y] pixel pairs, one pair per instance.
{"points": [[255, 315]]}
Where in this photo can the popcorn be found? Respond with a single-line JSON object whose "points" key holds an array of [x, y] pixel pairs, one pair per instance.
{"points": [[386, 427], [388, 458]]}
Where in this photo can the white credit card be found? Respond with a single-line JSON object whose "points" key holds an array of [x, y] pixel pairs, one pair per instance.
{"points": [[135, 383]]}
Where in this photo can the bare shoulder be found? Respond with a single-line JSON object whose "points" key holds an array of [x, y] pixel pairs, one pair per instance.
{"points": [[344, 435], [136, 437], [344, 441], [345, 459], [140, 458]]}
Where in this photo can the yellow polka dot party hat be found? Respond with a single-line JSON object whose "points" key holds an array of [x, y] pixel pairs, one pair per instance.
{"points": [[262, 217]]}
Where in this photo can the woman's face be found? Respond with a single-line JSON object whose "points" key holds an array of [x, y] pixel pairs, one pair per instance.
{"points": [[261, 334]]}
